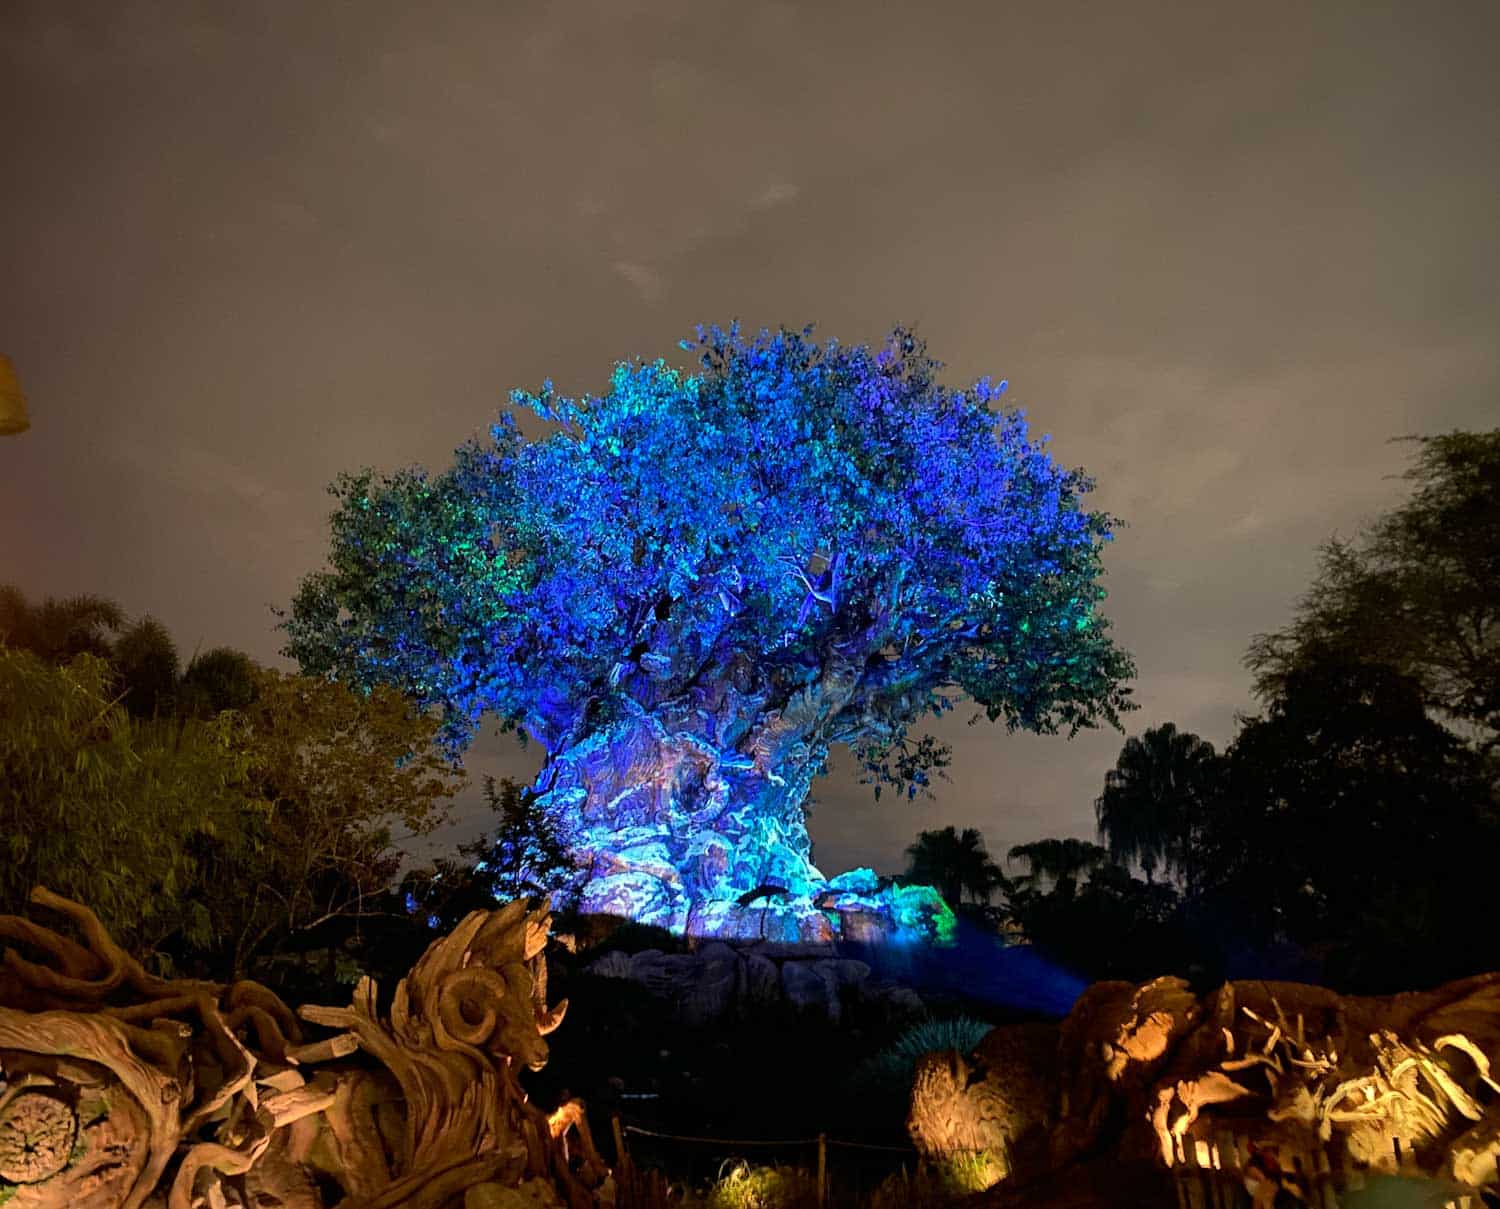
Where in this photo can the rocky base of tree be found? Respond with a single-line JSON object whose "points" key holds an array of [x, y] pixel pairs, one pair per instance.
{"points": [[1341, 1085], [121, 1089], [722, 982]]}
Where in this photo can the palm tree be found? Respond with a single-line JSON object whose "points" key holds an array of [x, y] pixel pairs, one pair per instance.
{"points": [[1154, 797], [56, 630], [145, 659], [956, 863], [1061, 860]]}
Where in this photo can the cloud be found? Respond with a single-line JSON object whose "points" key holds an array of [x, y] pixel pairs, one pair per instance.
{"points": [[648, 283], [778, 193]]}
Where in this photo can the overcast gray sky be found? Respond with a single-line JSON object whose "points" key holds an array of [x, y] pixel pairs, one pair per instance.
{"points": [[1222, 252]]}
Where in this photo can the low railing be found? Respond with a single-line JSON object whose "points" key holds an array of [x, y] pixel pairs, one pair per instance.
{"points": [[1210, 1174], [840, 1171]]}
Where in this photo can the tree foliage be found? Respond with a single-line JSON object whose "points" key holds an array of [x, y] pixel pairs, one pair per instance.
{"points": [[145, 661], [1154, 799], [955, 862], [526, 855], [108, 809], [222, 815], [58, 629], [1059, 859], [1112, 925], [523, 856], [790, 509], [1354, 823], [216, 680], [1415, 592], [336, 769], [140, 654]]}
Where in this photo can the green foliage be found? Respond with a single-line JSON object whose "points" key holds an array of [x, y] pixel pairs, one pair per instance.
{"points": [[58, 629], [145, 661], [746, 1186], [934, 1185], [336, 768], [108, 809], [235, 814], [935, 1036], [217, 680], [1415, 592]]}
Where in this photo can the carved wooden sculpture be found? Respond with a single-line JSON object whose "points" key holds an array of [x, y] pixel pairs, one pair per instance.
{"points": [[1402, 1083], [118, 1088]]}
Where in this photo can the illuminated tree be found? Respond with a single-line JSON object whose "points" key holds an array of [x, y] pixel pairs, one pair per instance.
{"points": [[695, 585]]}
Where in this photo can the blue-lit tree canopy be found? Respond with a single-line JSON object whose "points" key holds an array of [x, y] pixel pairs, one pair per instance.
{"points": [[697, 584]]}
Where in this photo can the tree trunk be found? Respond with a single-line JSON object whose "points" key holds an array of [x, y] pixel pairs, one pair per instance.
{"points": [[681, 813], [674, 826]]}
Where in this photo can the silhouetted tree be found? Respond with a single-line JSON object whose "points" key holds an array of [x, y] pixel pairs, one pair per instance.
{"points": [[1154, 798], [58, 629], [1355, 824], [957, 863], [523, 856], [1061, 860], [527, 854], [1416, 592], [216, 680], [145, 662], [1112, 926]]}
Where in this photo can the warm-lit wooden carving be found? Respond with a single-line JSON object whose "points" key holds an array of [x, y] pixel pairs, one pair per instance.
{"points": [[1404, 1083], [119, 1088]]}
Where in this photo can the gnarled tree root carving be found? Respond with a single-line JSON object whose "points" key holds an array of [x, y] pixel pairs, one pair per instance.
{"points": [[119, 1088]]}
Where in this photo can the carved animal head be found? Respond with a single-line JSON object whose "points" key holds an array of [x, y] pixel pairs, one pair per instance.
{"points": [[483, 987]]}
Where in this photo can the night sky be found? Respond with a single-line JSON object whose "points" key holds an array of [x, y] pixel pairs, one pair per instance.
{"points": [[1222, 252]]}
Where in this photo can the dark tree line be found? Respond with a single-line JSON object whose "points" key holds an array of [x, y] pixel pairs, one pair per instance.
{"points": [[1350, 830]]}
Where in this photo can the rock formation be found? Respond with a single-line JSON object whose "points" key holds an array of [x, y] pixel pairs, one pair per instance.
{"points": [[1155, 1073], [118, 1088], [721, 981]]}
